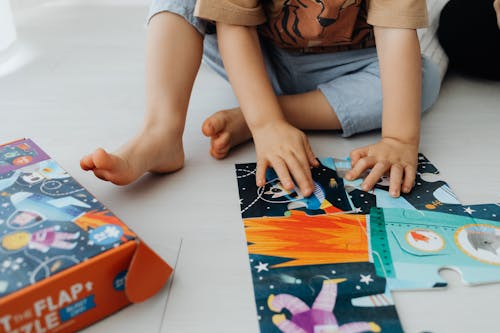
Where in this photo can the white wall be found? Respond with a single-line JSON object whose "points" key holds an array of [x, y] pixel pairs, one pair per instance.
{"points": [[7, 28]]}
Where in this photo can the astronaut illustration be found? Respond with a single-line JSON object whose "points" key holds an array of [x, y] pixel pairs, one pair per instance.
{"points": [[24, 219], [41, 240], [316, 319], [295, 198]]}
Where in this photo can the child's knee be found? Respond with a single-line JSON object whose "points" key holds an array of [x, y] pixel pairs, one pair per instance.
{"points": [[431, 83]]}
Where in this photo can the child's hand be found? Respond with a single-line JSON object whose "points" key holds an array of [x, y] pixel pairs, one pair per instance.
{"points": [[389, 155], [287, 150]]}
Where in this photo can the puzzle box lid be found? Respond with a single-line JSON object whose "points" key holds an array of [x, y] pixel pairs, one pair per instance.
{"points": [[48, 221]]}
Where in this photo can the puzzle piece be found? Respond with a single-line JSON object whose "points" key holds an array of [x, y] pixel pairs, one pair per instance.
{"points": [[295, 292], [274, 200], [297, 244], [410, 247], [430, 191], [291, 256]]}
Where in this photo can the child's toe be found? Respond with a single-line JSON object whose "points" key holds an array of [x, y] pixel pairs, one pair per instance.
{"points": [[86, 163], [222, 141], [214, 124], [103, 160]]}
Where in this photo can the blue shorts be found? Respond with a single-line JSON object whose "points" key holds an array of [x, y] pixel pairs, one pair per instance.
{"points": [[350, 80]]}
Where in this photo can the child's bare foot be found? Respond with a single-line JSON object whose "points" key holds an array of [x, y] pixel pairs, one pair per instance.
{"points": [[145, 153], [226, 129]]}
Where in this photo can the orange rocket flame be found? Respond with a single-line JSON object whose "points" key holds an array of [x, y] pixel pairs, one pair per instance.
{"points": [[309, 240], [95, 219]]}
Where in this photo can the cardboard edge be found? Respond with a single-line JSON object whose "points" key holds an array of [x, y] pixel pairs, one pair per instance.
{"points": [[12, 142], [147, 274]]}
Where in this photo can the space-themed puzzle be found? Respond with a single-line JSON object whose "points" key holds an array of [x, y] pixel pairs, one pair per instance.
{"points": [[328, 262], [65, 259]]}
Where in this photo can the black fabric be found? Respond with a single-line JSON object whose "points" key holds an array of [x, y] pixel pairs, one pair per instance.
{"points": [[470, 36]]}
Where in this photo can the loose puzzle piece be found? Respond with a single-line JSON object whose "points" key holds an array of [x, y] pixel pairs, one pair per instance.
{"points": [[312, 256]]}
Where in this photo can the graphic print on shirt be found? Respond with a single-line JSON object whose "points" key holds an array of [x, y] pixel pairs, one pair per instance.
{"points": [[319, 23]]}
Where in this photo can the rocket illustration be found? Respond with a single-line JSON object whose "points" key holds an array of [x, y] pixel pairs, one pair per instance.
{"points": [[419, 237], [64, 209]]}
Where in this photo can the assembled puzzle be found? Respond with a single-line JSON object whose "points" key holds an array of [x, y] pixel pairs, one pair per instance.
{"points": [[328, 262], [65, 259]]}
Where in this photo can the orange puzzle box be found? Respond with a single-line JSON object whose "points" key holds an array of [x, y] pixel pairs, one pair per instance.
{"points": [[66, 261]]}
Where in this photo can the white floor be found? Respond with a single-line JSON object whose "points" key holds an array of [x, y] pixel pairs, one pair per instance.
{"points": [[82, 86]]}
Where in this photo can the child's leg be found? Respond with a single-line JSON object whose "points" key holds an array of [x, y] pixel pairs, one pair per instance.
{"points": [[228, 128], [174, 54]]}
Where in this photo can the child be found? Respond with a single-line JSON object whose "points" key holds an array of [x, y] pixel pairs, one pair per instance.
{"points": [[293, 64]]}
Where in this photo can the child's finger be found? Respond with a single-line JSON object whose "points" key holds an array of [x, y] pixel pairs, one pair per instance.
{"points": [[283, 174], [375, 174], [303, 161], [310, 154], [409, 178], [302, 175], [260, 174], [356, 155], [396, 177], [360, 166]]}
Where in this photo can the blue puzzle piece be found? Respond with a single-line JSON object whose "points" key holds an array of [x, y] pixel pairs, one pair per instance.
{"points": [[410, 247]]}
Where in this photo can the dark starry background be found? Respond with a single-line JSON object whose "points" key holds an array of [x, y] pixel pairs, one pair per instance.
{"points": [[255, 203], [305, 283]]}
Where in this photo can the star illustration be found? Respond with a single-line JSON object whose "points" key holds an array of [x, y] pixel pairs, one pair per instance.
{"points": [[358, 210], [469, 210], [366, 278], [262, 267]]}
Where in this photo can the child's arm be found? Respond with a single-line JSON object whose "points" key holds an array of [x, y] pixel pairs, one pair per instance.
{"points": [[397, 152], [277, 143]]}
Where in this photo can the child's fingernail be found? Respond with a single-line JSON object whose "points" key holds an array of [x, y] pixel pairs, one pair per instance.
{"points": [[394, 194], [407, 189]]}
